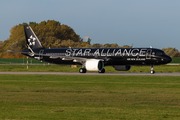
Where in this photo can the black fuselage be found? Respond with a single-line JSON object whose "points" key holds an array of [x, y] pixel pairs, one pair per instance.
{"points": [[111, 56]]}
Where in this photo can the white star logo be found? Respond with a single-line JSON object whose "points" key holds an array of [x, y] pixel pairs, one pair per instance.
{"points": [[31, 40]]}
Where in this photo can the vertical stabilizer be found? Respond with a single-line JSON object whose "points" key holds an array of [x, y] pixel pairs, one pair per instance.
{"points": [[31, 39]]}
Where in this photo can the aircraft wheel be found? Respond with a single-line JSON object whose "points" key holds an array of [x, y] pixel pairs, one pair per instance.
{"points": [[152, 72], [82, 70], [102, 71]]}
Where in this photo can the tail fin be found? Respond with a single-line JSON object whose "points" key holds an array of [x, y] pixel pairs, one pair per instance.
{"points": [[31, 39]]}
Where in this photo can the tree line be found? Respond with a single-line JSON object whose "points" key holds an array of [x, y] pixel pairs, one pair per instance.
{"points": [[53, 34]]}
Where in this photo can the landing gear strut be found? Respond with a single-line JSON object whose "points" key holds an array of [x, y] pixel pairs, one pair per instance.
{"points": [[101, 71], [152, 70]]}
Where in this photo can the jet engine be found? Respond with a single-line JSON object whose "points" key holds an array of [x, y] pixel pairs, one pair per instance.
{"points": [[94, 65], [122, 67]]}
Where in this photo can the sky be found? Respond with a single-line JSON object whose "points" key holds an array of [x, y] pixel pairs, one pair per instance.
{"points": [[141, 23]]}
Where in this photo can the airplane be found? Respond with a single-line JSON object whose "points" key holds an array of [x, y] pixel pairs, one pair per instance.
{"points": [[94, 59]]}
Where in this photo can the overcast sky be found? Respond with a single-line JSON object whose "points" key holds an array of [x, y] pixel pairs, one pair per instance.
{"points": [[143, 23]]}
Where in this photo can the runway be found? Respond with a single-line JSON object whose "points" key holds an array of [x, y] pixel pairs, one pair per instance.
{"points": [[90, 73]]}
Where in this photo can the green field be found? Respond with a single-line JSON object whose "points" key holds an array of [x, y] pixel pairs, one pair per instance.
{"points": [[53, 97], [20, 61], [175, 60]]}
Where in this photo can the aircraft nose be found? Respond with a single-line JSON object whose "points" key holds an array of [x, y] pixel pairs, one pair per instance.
{"points": [[168, 59]]}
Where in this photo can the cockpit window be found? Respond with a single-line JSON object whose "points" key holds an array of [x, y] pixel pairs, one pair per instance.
{"points": [[160, 53]]}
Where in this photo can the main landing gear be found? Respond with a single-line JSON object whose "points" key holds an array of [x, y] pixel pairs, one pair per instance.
{"points": [[152, 70], [82, 70], [101, 71]]}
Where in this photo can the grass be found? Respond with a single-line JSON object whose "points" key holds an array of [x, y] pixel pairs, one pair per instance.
{"points": [[56, 97], [175, 60], [20, 61], [67, 68]]}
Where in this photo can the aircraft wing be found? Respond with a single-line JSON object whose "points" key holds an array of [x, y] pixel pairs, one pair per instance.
{"points": [[75, 59]]}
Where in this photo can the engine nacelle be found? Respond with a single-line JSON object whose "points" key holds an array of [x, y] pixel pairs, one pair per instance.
{"points": [[94, 65], [122, 67]]}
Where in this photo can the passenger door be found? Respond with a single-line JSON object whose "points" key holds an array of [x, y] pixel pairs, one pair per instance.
{"points": [[148, 54]]}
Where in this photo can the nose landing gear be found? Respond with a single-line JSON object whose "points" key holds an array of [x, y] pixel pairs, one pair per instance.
{"points": [[152, 70]]}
